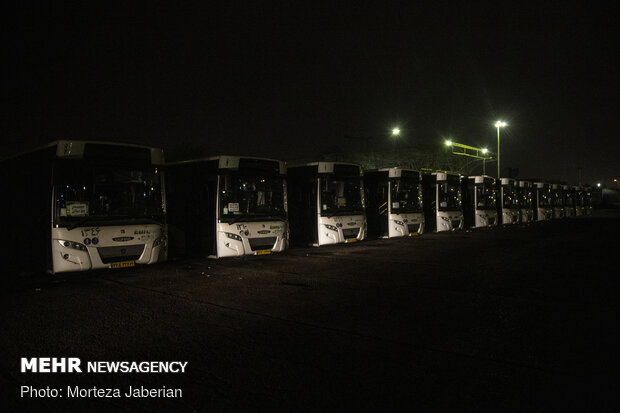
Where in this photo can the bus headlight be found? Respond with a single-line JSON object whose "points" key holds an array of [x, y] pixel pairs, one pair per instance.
{"points": [[72, 244], [333, 228], [445, 218], [233, 236], [399, 222], [159, 241]]}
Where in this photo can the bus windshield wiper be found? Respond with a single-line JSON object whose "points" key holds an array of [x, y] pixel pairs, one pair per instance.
{"points": [[273, 217], [238, 218], [150, 220], [143, 217], [344, 212], [147, 220], [82, 222], [256, 217]]}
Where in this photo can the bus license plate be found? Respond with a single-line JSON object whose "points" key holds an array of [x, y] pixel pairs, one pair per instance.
{"points": [[352, 240], [414, 234], [263, 252], [123, 264]]}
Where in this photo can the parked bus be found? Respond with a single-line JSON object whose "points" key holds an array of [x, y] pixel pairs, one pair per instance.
{"points": [[227, 206], [442, 201], [587, 201], [326, 202], [526, 208], [569, 201], [479, 201], [507, 201], [81, 205], [542, 201], [394, 203], [557, 200], [581, 201]]}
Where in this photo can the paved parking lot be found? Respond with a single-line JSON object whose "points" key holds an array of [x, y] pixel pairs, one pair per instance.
{"points": [[512, 318]]}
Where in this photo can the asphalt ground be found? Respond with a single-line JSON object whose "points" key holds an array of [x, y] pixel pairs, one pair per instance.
{"points": [[514, 319]]}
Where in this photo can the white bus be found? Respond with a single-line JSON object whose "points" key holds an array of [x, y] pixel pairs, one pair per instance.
{"points": [[80, 205], [583, 201], [443, 209], [569, 201], [557, 200], [580, 201], [589, 207], [227, 206], [394, 203], [479, 200], [326, 202], [508, 201], [526, 197], [542, 201]]}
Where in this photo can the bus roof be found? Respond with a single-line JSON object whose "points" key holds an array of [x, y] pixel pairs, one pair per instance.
{"points": [[480, 178], [230, 161], [74, 148], [506, 181], [395, 172], [326, 166]]}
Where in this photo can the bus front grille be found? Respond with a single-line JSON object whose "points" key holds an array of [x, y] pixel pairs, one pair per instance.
{"points": [[265, 243], [350, 232], [121, 253], [413, 228]]}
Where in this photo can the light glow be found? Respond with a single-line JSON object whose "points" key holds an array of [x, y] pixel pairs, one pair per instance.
{"points": [[485, 150], [500, 124], [448, 142], [395, 131]]}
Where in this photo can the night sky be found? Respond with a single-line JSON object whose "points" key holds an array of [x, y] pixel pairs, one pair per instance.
{"points": [[291, 82]]}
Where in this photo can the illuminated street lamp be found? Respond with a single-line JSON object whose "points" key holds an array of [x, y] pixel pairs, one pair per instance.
{"points": [[499, 124], [448, 142], [395, 132], [484, 169]]}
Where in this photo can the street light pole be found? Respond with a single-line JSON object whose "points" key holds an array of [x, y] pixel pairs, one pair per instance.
{"points": [[498, 124], [498, 169]]}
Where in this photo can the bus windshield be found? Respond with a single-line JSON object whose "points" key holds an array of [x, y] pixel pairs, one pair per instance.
{"points": [[510, 196], [449, 195], [105, 195], [587, 199], [341, 195], [251, 196], [556, 198], [406, 195], [543, 197], [485, 196], [526, 198]]}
